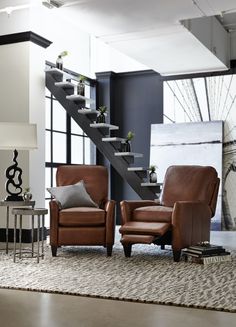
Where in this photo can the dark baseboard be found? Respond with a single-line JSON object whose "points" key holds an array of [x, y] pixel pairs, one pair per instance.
{"points": [[26, 235]]}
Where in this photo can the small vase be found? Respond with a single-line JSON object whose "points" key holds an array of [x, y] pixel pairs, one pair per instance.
{"points": [[27, 196], [125, 147], [59, 63], [152, 177], [80, 88], [101, 119]]}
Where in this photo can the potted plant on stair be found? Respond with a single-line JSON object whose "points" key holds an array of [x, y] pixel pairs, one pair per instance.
{"points": [[126, 146], [59, 61], [101, 116], [81, 85], [152, 174]]}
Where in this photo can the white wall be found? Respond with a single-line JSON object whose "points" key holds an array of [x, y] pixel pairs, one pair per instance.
{"points": [[17, 22], [65, 36], [37, 115], [14, 105]]}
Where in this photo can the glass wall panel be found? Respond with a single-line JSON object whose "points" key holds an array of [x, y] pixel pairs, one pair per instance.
{"points": [[59, 147], [77, 149], [48, 146], [59, 117], [75, 129]]}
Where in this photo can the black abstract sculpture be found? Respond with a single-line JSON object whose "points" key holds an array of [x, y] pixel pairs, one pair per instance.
{"points": [[14, 182]]}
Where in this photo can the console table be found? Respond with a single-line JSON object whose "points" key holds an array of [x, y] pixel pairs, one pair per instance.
{"points": [[20, 212], [9, 204]]}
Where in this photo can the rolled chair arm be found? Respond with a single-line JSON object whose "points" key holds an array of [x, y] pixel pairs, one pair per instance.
{"points": [[110, 221], [54, 218], [190, 223], [127, 208]]}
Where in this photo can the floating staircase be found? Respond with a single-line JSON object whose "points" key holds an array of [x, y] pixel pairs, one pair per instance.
{"points": [[59, 84]]}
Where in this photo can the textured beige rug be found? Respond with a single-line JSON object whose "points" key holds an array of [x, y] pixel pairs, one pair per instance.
{"points": [[149, 276]]}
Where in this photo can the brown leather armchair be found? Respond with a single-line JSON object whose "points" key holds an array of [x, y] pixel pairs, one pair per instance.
{"points": [[83, 225], [181, 218]]}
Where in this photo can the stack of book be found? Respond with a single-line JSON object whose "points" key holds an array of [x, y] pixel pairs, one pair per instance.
{"points": [[205, 254]]}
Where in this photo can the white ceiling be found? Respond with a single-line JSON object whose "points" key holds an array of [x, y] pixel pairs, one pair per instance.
{"points": [[150, 31]]}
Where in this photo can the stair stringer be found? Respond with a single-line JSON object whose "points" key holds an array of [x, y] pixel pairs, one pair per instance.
{"points": [[96, 135]]}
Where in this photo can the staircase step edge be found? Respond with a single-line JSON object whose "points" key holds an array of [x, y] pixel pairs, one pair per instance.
{"points": [[113, 139], [128, 154], [103, 125]]}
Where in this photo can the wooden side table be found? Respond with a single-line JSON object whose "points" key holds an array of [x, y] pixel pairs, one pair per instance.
{"points": [[9, 204], [34, 212]]}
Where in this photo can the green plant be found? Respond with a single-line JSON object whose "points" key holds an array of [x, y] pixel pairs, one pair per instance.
{"points": [[63, 54], [102, 109], [130, 136], [81, 78], [152, 168]]}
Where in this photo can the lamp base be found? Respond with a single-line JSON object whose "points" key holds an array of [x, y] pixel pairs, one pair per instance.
{"points": [[14, 198]]}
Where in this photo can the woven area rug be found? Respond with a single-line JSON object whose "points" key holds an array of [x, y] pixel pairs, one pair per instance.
{"points": [[149, 276]]}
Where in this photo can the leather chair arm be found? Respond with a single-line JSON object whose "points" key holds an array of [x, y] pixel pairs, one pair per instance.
{"points": [[54, 218], [110, 221], [190, 224], [127, 208]]}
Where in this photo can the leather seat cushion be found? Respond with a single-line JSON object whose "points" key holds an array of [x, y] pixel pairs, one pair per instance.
{"points": [[153, 214], [144, 228], [82, 216]]}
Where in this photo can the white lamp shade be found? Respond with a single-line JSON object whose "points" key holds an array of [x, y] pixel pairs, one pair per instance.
{"points": [[19, 136]]}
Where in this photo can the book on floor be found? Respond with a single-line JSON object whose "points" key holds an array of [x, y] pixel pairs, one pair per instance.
{"points": [[206, 249], [197, 255], [210, 259], [206, 254]]}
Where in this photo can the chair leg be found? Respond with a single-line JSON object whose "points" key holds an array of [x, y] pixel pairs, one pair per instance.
{"points": [[162, 246], [127, 250], [109, 250], [177, 255], [54, 250]]}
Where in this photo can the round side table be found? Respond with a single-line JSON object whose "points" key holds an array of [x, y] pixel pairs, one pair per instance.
{"points": [[34, 213], [9, 204]]}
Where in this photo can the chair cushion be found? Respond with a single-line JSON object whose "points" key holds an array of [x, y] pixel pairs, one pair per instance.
{"points": [[144, 228], [70, 196], [153, 214], [82, 217]]}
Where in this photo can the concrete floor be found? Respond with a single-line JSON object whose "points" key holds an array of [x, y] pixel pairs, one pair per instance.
{"points": [[32, 309]]}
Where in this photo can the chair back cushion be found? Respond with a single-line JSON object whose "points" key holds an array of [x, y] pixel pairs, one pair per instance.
{"points": [[95, 180], [189, 183]]}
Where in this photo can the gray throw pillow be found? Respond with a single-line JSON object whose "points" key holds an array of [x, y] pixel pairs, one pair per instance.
{"points": [[70, 196]]}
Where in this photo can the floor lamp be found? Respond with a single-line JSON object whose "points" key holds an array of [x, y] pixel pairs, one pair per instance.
{"points": [[16, 136]]}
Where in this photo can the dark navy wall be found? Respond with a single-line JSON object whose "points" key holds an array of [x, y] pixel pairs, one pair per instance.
{"points": [[135, 101]]}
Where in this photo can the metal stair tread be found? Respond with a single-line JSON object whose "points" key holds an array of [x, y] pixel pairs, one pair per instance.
{"points": [[113, 139], [137, 169], [104, 125], [76, 97], [128, 154], [59, 72], [87, 111], [150, 184], [65, 85]]}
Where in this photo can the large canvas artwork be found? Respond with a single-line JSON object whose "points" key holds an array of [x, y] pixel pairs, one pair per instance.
{"points": [[209, 99], [189, 144]]}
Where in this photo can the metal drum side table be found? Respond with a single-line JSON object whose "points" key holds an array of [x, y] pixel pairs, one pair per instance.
{"points": [[9, 204], [35, 212]]}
